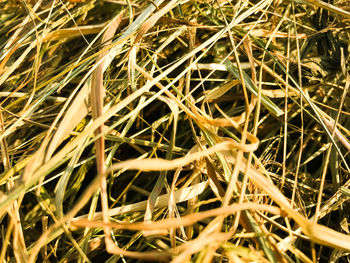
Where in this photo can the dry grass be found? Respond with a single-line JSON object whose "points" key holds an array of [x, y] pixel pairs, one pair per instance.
{"points": [[180, 130]]}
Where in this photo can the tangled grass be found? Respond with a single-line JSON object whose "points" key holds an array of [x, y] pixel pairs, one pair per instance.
{"points": [[180, 130]]}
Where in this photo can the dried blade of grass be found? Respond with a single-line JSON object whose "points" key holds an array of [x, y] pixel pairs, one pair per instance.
{"points": [[131, 69], [220, 91], [327, 6], [277, 34], [217, 66], [332, 127], [180, 195], [8, 94], [6, 59], [157, 164], [75, 113], [60, 34], [277, 93], [212, 175], [256, 101], [97, 90], [39, 156], [97, 93], [187, 233], [169, 223], [272, 107], [212, 139], [3, 145], [133, 140]]}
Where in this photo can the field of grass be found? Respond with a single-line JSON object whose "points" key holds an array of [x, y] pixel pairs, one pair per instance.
{"points": [[174, 131]]}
